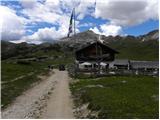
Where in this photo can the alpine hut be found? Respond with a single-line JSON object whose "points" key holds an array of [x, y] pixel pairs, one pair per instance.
{"points": [[95, 54]]}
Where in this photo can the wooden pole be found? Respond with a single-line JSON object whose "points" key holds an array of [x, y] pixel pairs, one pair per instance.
{"points": [[74, 21], [76, 64]]}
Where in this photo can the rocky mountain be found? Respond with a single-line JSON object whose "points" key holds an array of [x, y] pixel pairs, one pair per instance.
{"points": [[9, 49], [23, 50], [144, 47], [90, 36], [153, 35]]}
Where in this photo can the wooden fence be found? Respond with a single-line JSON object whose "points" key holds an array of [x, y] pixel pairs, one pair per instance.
{"points": [[73, 71]]}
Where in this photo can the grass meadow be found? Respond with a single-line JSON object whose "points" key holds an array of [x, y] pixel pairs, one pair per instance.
{"points": [[119, 96], [16, 78]]}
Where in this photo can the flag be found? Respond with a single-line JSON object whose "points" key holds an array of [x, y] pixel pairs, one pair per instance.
{"points": [[70, 24]]}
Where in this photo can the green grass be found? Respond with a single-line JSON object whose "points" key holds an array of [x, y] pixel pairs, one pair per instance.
{"points": [[136, 98], [13, 89], [134, 50], [10, 70], [48, 53]]}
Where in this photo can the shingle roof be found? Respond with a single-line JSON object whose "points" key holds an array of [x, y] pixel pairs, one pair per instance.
{"points": [[120, 62], [85, 46]]}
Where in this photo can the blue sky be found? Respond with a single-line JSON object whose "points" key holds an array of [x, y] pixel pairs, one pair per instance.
{"points": [[142, 28], [37, 21]]}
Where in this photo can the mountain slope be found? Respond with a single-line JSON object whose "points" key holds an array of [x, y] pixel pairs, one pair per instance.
{"points": [[144, 47], [136, 50], [153, 35], [9, 49]]}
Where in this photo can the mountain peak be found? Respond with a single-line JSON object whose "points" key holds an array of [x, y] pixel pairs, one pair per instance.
{"points": [[89, 36], [153, 35]]}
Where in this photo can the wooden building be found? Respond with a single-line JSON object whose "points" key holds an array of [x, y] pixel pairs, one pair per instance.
{"points": [[123, 64], [145, 65], [95, 54]]}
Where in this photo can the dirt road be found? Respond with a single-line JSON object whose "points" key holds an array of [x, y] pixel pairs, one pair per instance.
{"points": [[59, 104], [50, 98]]}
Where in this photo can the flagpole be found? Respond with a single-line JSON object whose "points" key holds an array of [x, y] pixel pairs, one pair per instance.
{"points": [[74, 22], [76, 64]]}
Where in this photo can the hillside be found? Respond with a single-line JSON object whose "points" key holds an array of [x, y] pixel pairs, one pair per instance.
{"points": [[144, 47]]}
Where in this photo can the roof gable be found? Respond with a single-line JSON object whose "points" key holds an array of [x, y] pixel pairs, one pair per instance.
{"points": [[93, 44]]}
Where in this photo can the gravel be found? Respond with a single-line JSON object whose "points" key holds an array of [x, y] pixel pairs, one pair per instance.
{"points": [[32, 102]]}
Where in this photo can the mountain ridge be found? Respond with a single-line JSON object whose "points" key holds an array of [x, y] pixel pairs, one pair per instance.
{"points": [[130, 47]]}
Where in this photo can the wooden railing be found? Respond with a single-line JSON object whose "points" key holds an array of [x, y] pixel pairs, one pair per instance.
{"points": [[105, 72]]}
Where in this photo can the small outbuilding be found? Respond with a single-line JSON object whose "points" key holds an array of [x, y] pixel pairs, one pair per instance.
{"points": [[120, 64], [144, 65]]}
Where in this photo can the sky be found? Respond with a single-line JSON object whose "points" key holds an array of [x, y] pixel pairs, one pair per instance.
{"points": [[38, 21]]}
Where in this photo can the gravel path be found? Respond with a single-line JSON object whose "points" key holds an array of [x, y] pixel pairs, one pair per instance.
{"points": [[60, 103], [48, 99]]}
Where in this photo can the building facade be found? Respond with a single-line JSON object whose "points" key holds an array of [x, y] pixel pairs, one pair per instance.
{"points": [[94, 56]]}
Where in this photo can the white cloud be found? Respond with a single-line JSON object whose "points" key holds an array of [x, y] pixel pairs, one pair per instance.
{"points": [[49, 11], [127, 12], [12, 26], [46, 35], [108, 29], [152, 9], [120, 13], [85, 7], [17, 41]]}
